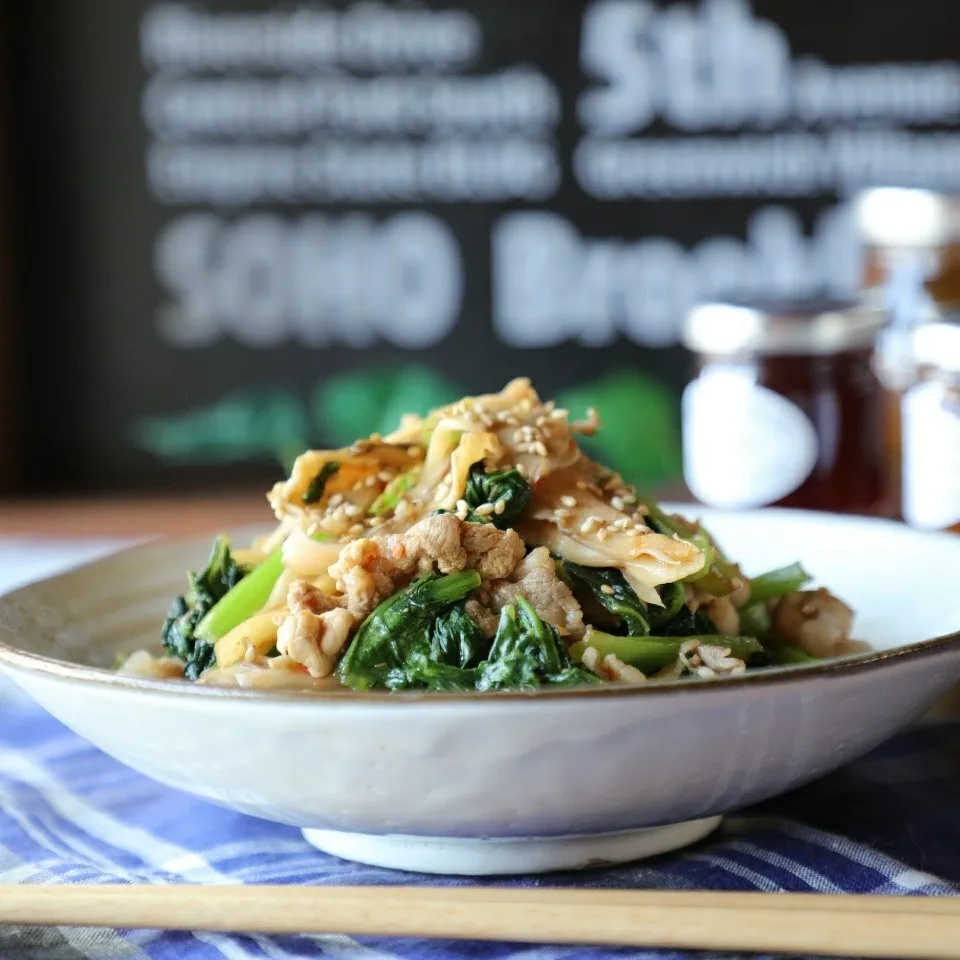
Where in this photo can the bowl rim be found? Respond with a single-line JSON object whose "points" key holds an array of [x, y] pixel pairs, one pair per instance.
{"points": [[15, 659]]}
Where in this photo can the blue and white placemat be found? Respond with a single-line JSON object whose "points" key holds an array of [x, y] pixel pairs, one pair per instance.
{"points": [[889, 823]]}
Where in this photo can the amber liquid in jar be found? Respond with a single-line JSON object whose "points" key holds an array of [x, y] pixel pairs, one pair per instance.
{"points": [[839, 393]]}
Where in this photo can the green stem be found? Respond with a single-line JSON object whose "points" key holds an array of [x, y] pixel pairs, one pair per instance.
{"points": [[650, 654], [243, 601], [778, 583]]}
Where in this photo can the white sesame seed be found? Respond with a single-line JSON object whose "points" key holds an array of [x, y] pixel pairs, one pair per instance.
{"points": [[371, 481], [413, 451], [610, 528], [401, 510], [561, 512], [622, 523], [540, 421], [607, 589], [500, 506], [484, 510], [352, 510], [558, 414], [617, 503], [250, 654], [376, 521], [568, 501], [522, 470], [335, 500], [540, 448], [385, 476], [463, 505], [602, 533], [356, 528]]}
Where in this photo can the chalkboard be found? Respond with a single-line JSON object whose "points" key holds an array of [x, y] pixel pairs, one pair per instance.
{"points": [[248, 227]]}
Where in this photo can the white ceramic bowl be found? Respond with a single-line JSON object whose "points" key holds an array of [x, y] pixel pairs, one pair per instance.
{"points": [[502, 783]]}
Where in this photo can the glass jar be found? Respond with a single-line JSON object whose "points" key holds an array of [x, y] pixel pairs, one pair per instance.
{"points": [[930, 416], [784, 408], [911, 269], [911, 242]]}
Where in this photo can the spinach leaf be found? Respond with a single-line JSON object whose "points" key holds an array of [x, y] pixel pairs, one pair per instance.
{"points": [[608, 586], [672, 597], [688, 623], [423, 638], [528, 653], [506, 485], [314, 492], [456, 640], [178, 633], [400, 626]]}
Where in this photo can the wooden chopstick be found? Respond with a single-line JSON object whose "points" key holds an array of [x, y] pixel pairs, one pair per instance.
{"points": [[861, 926]]}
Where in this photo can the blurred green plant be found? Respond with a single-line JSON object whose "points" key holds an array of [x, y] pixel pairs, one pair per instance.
{"points": [[640, 436], [641, 433], [247, 425], [362, 402]]}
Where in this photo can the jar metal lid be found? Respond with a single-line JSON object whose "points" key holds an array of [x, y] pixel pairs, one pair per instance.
{"points": [[937, 345], [903, 218], [804, 328]]}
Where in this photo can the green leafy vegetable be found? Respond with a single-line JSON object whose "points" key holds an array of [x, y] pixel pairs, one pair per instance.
{"points": [[314, 492], [401, 624], [528, 653], [688, 623], [423, 638], [608, 587], [243, 601], [506, 485], [393, 492], [456, 640], [650, 654], [754, 620], [672, 596], [179, 631], [789, 655], [778, 583]]}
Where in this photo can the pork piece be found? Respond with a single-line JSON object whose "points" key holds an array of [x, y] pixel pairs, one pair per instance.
{"points": [[364, 576], [815, 621], [315, 640], [536, 579], [709, 660], [449, 544], [724, 615], [485, 618], [369, 571], [303, 596]]}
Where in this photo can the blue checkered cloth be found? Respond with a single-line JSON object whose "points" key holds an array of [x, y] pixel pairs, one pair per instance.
{"points": [[889, 823]]}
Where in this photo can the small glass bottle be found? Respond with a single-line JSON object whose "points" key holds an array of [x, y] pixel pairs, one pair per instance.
{"points": [[911, 247], [784, 408], [930, 416]]}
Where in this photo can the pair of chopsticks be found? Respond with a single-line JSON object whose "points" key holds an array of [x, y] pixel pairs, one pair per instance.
{"points": [[861, 926]]}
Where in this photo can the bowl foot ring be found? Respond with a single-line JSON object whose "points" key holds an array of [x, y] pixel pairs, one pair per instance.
{"points": [[476, 857]]}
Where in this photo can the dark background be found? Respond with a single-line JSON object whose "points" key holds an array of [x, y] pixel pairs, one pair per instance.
{"points": [[83, 227]]}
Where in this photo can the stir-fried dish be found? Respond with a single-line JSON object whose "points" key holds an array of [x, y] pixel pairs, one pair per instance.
{"points": [[480, 549]]}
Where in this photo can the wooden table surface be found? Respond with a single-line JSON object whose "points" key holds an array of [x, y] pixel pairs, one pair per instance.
{"points": [[132, 516]]}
